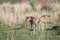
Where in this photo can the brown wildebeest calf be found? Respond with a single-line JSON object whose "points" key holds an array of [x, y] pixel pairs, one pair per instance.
{"points": [[32, 21], [44, 19]]}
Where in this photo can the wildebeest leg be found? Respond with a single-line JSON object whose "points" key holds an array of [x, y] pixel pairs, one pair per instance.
{"points": [[31, 26], [35, 28], [35, 24]]}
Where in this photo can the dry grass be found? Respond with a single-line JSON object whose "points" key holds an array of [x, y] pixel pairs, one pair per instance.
{"points": [[15, 13], [11, 14]]}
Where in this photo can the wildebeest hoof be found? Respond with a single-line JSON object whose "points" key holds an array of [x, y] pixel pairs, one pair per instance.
{"points": [[31, 29]]}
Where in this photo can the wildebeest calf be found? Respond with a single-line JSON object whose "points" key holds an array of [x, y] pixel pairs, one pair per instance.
{"points": [[30, 19]]}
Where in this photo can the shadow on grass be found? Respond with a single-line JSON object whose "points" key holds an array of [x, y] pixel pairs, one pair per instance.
{"points": [[16, 28]]}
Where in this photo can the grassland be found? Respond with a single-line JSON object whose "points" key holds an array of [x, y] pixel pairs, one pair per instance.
{"points": [[15, 33], [25, 34]]}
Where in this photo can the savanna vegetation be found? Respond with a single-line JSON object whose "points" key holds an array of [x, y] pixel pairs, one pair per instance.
{"points": [[13, 14]]}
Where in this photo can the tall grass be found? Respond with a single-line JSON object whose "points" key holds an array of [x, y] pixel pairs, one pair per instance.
{"points": [[12, 17]]}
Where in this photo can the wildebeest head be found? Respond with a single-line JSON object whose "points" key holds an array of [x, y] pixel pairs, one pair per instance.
{"points": [[29, 18]]}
